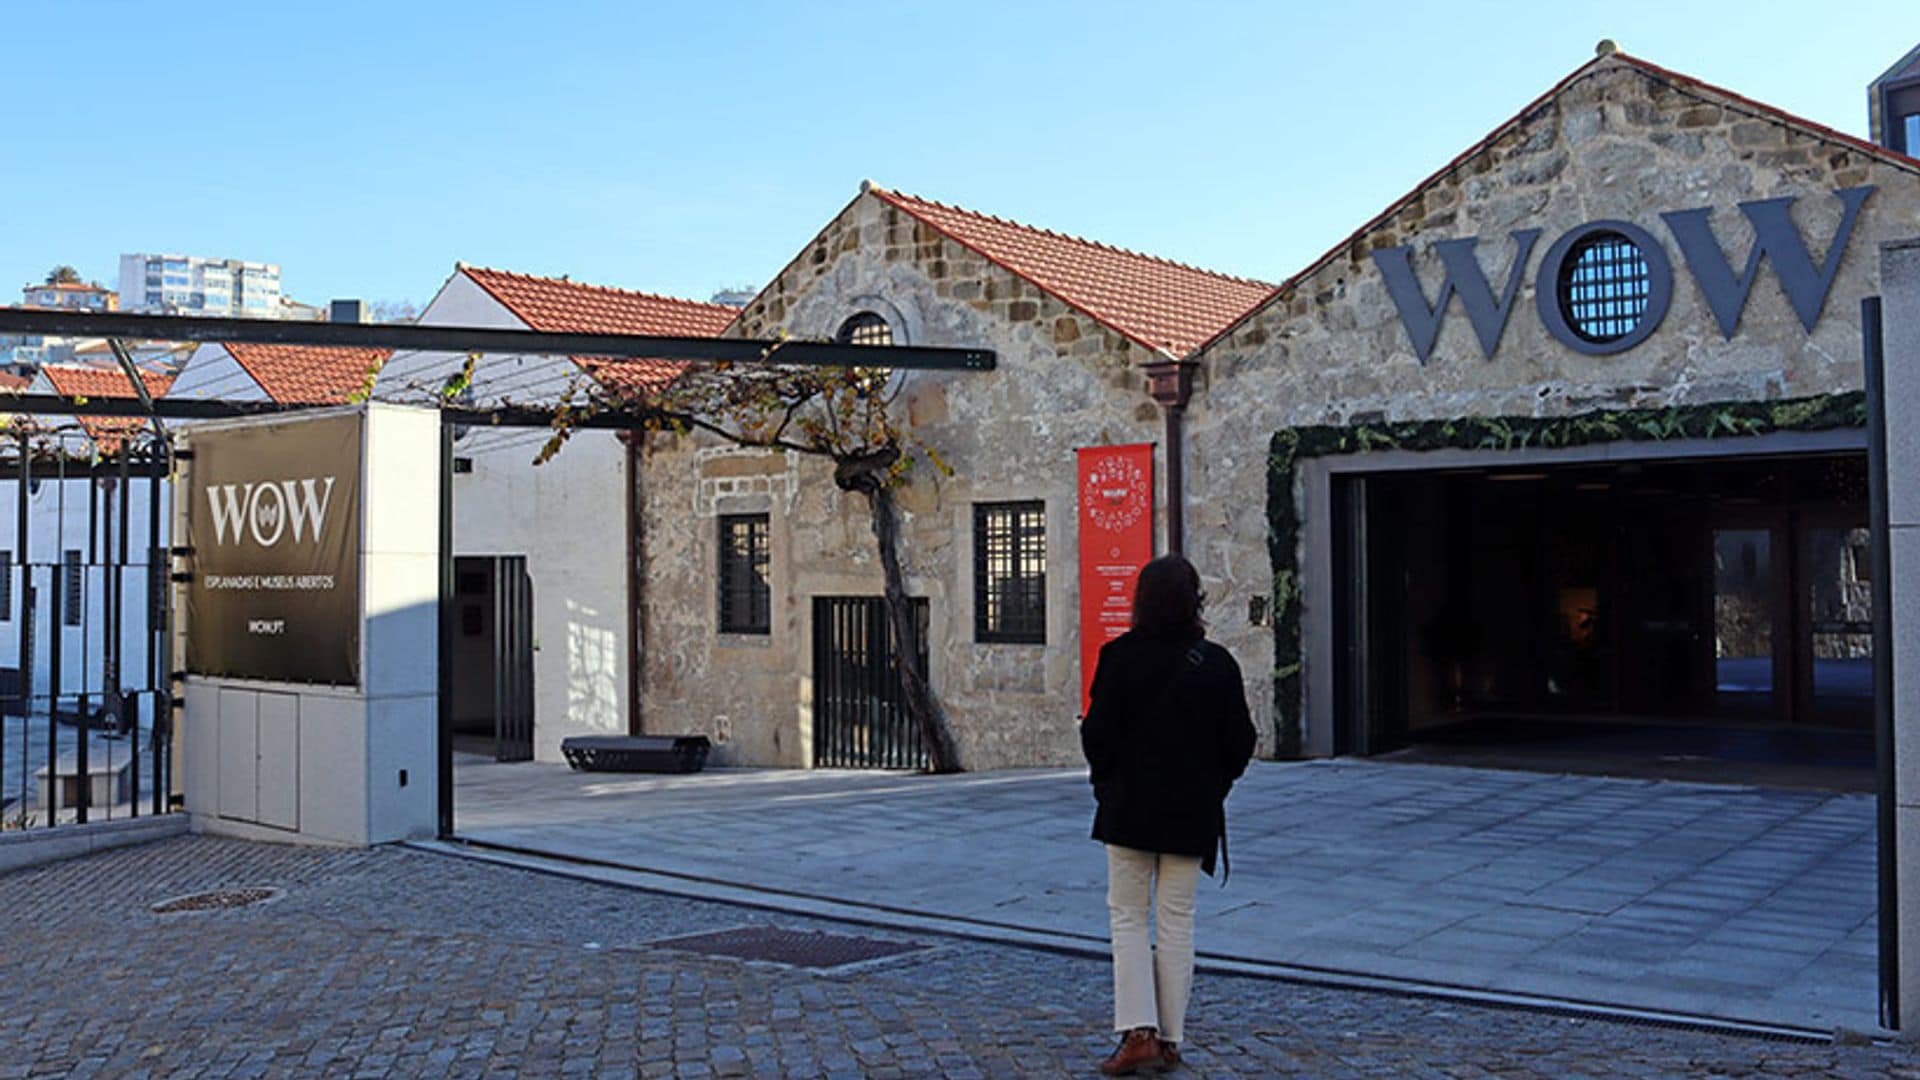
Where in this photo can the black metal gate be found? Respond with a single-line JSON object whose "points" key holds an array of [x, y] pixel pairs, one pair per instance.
{"points": [[860, 718], [492, 656], [86, 702], [512, 658]]}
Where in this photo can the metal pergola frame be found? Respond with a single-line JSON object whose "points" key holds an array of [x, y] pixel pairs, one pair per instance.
{"points": [[464, 339], [121, 328]]}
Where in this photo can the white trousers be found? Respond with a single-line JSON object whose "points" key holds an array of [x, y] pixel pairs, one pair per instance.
{"points": [[1150, 984]]}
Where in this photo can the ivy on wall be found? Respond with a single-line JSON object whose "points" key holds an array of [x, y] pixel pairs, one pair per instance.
{"points": [[1291, 446]]}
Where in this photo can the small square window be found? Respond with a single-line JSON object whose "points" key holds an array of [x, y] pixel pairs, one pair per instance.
{"points": [[745, 596], [1010, 572]]}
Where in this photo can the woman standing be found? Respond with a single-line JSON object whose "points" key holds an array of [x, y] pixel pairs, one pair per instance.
{"points": [[1166, 735]]}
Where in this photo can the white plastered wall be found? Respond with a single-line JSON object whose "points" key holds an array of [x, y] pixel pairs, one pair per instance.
{"points": [[568, 517]]}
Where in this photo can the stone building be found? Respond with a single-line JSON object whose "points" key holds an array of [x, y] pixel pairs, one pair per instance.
{"points": [[764, 666], [1571, 434]]}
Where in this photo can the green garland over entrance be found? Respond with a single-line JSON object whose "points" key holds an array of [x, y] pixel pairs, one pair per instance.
{"points": [[1293, 445]]}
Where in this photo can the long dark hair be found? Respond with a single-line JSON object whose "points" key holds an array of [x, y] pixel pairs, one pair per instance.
{"points": [[1167, 600]]}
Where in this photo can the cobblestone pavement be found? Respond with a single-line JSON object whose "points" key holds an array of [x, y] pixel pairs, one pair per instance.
{"points": [[394, 962]]}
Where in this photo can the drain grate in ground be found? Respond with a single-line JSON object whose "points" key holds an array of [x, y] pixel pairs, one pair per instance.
{"points": [[794, 948], [214, 900]]}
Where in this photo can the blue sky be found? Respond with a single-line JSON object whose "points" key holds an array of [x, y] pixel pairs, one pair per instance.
{"points": [[685, 148]]}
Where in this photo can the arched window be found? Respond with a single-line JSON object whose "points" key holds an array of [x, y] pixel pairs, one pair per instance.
{"points": [[864, 328]]}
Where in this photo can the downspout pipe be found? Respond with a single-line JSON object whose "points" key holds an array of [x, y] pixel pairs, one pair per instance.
{"points": [[1170, 385]]}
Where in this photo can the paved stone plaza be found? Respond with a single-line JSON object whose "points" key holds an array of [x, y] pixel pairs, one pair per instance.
{"points": [[1713, 900], [402, 963]]}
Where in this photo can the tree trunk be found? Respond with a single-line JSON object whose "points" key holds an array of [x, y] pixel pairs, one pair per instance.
{"points": [[922, 705]]}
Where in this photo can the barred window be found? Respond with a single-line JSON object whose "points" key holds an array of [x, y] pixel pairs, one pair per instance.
{"points": [[6, 586], [1010, 572], [865, 328], [745, 598], [1605, 287], [75, 588]]}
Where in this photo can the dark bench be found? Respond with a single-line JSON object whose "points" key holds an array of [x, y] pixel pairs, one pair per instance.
{"points": [[637, 753]]}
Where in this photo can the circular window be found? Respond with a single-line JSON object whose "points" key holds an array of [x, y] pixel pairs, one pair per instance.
{"points": [[1604, 287], [866, 328]]}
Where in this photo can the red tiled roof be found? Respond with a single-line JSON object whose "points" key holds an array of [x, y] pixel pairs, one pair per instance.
{"points": [[1154, 302], [11, 383], [72, 380], [1655, 71], [71, 286], [107, 432], [556, 305], [309, 375]]}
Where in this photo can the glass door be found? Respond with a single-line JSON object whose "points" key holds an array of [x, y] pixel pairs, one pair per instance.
{"points": [[1746, 622], [1836, 589]]}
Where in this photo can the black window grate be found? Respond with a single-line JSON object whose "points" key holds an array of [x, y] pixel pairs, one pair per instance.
{"points": [[6, 586], [75, 589], [865, 328], [745, 597], [1604, 287], [1010, 572]]}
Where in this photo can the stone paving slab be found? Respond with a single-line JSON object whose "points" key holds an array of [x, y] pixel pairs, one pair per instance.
{"points": [[401, 963], [1715, 900]]}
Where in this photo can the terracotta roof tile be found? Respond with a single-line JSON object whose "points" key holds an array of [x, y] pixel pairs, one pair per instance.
{"points": [[16, 384], [73, 380], [309, 375], [1152, 301], [556, 305], [70, 286], [107, 432]]}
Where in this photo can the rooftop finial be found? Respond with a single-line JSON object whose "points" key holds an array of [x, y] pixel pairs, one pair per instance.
{"points": [[866, 186], [1607, 47]]}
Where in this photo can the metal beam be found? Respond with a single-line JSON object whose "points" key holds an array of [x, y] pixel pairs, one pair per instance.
{"points": [[466, 339], [195, 409]]}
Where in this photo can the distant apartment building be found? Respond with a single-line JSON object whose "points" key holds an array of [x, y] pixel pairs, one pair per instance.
{"points": [[70, 296], [189, 285]]}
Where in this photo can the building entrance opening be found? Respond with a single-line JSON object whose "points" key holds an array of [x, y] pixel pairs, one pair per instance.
{"points": [[492, 657], [1699, 619]]}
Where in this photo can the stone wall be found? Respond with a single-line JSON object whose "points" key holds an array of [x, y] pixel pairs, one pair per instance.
{"points": [[1063, 381], [1615, 143]]}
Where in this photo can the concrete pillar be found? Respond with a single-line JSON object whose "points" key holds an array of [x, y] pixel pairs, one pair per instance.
{"points": [[1900, 292]]}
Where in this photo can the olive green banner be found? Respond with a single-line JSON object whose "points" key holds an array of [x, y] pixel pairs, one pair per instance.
{"points": [[273, 521]]}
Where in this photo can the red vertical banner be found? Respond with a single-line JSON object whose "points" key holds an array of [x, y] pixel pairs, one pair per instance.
{"points": [[1116, 540]]}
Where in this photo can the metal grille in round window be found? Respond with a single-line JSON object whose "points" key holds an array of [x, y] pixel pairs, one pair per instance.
{"points": [[866, 328], [1604, 287]]}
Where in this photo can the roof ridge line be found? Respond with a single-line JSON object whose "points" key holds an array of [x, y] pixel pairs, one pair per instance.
{"points": [[1679, 80], [890, 194], [469, 268], [1584, 70]]}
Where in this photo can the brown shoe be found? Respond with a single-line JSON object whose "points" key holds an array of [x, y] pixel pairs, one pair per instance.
{"points": [[1138, 1049], [1169, 1056]]}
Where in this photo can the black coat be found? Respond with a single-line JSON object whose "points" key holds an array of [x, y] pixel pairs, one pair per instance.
{"points": [[1166, 736]]}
